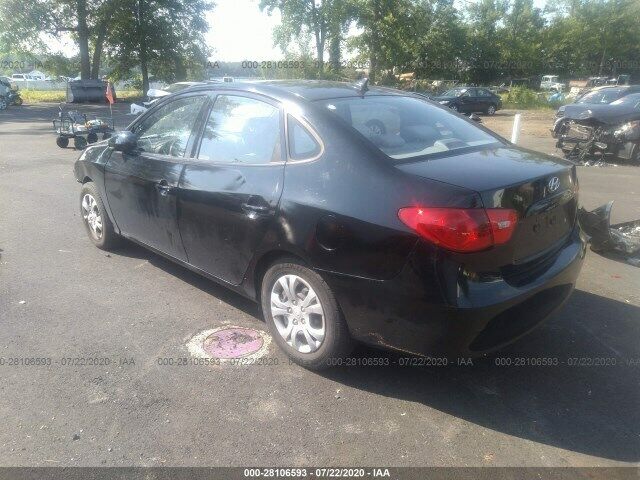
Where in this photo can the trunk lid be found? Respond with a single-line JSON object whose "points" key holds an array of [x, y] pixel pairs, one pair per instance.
{"points": [[542, 190]]}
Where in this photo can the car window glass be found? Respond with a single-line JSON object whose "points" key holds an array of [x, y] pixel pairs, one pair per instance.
{"points": [[483, 93], [407, 127], [241, 130], [302, 145], [167, 130]]}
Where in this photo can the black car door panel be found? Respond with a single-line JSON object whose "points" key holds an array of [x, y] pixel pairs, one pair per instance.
{"points": [[229, 194], [141, 193], [141, 186]]}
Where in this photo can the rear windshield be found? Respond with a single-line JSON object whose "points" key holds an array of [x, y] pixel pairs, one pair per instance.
{"points": [[407, 127]]}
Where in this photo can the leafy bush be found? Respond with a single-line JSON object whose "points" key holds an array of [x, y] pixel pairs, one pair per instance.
{"points": [[522, 98]]}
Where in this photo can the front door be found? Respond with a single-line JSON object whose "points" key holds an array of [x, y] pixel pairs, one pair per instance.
{"points": [[229, 192], [467, 100], [141, 187]]}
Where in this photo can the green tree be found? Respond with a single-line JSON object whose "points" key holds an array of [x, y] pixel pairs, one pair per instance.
{"points": [[161, 36]]}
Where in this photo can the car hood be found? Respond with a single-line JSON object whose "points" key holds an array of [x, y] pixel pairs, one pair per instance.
{"points": [[592, 114], [487, 169]]}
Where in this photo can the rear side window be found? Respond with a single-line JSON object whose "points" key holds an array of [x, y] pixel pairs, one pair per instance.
{"points": [[302, 144], [241, 130], [407, 127]]}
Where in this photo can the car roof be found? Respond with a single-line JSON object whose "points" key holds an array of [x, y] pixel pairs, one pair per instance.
{"points": [[311, 90]]}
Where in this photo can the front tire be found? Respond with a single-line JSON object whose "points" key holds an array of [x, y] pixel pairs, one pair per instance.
{"points": [[303, 315], [95, 218]]}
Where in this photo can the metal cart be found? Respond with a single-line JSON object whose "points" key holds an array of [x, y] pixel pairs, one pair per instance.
{"points": [[74, 124]]}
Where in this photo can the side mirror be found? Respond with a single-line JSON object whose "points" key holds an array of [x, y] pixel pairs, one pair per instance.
{"points": [[125, 142]]}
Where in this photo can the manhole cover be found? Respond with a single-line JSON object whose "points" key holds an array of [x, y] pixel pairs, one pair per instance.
{"points": [[227, 343]]}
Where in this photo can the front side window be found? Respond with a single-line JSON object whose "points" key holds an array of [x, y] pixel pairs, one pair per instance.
{"points": [[455, 92], [167, 130], [407, 127], [241, 130]]}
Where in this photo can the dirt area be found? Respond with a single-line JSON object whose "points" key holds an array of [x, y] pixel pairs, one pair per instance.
{"points": [[534, 128]]}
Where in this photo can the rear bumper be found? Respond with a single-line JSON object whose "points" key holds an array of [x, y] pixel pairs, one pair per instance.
{"points": [[434, 307]]}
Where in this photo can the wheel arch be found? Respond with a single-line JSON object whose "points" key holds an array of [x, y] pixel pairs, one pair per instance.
{"points": [[264, 261]]}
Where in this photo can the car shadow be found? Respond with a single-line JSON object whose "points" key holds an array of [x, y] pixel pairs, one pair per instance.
{"points": [[585, 401], [583, 404], [133, 250]]}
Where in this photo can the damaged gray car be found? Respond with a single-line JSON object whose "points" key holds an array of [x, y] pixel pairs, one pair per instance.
{"points": [[601, 131]]}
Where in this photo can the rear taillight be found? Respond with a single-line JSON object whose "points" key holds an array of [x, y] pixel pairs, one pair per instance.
{"points": [[461, 229]]}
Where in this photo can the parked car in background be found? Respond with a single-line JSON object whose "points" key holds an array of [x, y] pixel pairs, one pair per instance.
{"points": [[154, 94], [551, 82], [470, 100], [597, 96], [21, 77], [606, 130], [434, 237]]}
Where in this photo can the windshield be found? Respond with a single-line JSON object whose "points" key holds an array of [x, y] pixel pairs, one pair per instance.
{"points": [[406, 127], [606, 95], [633, 100], [454, 92]]}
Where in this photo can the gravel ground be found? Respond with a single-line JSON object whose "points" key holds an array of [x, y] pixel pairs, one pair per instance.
{"points": [[62, 298]]}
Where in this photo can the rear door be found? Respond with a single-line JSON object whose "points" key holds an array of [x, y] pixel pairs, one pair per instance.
{"points": [[484, 98], [230, 190], [141, 187]]}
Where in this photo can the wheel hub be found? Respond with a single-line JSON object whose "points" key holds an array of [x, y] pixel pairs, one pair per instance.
{"points": [[297, 313], [91, 215]]}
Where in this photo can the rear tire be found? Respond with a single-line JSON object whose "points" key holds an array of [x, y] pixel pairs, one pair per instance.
{"points": [[310, 328], [96, 221], [62, 142], [3, 103], [491, 110]]}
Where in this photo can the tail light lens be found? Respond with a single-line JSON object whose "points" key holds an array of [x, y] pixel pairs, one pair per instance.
{"points": [[461, 229]]}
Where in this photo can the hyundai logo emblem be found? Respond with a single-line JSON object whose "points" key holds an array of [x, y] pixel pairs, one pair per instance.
{"points": [[554, 184]]}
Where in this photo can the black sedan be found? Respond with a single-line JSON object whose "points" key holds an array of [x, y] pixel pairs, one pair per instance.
{"points": [[470, 100], [348, 213], [601, 96]]}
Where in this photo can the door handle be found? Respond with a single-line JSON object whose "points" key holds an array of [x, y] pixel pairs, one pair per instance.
{"points": [[255, 209], [164, 188]]}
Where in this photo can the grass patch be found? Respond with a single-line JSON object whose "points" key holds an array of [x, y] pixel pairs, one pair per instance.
{"points": [[36, 96], [520, 98], [57, 96]]}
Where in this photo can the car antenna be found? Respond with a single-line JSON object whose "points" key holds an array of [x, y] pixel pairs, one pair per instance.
{"points": [[362, 86]]}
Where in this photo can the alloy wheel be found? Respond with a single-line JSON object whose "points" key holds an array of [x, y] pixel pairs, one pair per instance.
{"points": [[91, 215], [297, 313], [491, 110]]}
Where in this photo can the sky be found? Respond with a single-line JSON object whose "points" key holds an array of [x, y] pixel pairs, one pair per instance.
{"points": [[239, 30]]}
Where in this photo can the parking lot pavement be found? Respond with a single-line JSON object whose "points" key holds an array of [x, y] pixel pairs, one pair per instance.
{"points": [[61, 298]]}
